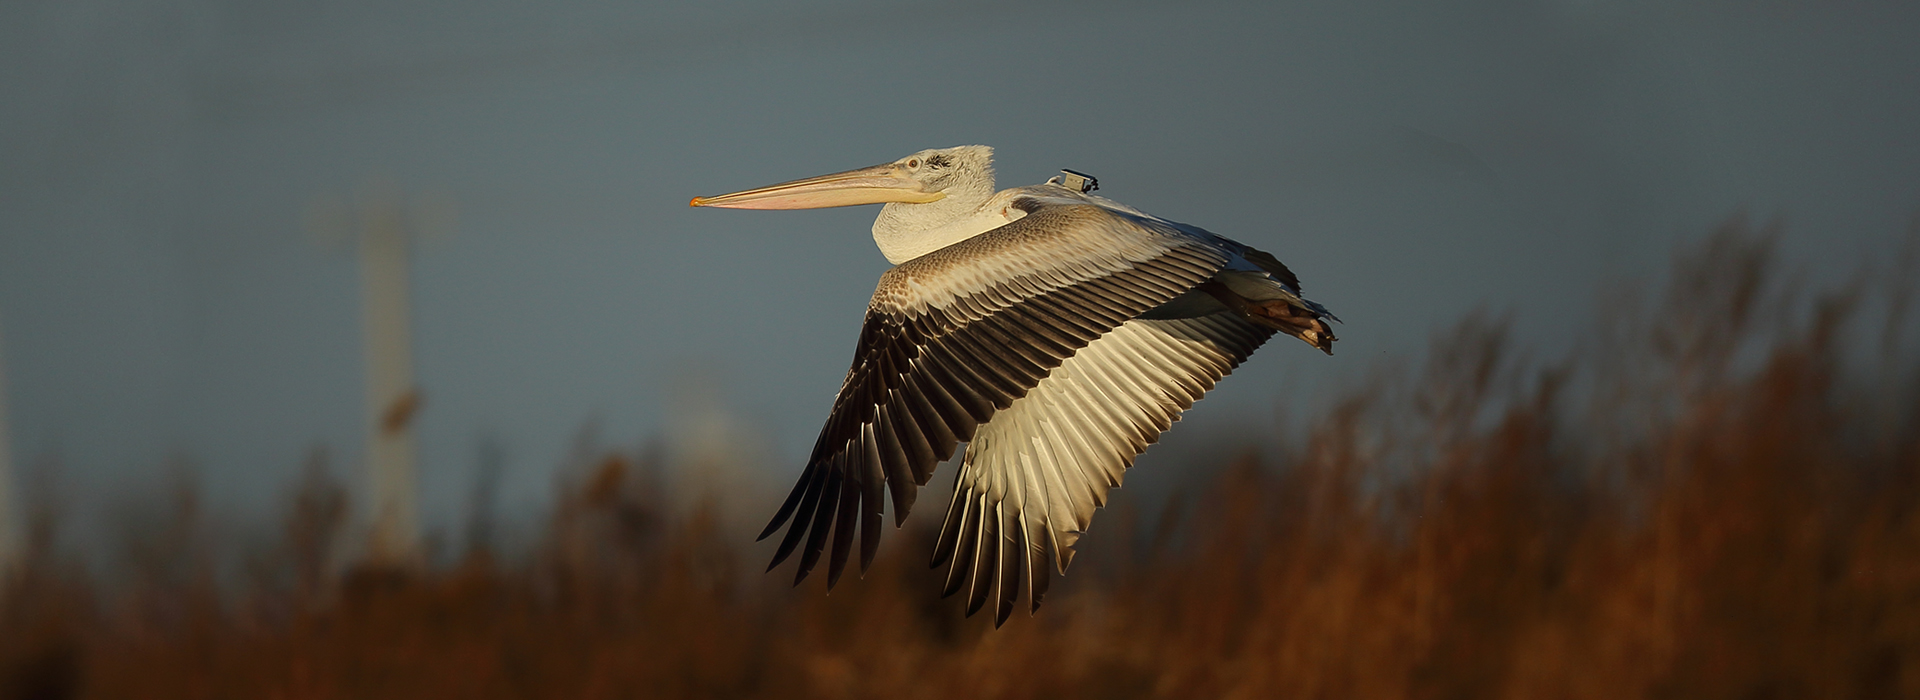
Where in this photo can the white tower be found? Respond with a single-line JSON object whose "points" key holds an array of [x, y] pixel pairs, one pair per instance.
{"points": [[384, 227], [392, 398]]}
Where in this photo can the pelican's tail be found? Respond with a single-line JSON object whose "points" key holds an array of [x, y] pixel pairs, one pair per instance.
{"points": [[1300, 320], [1269, 302]]}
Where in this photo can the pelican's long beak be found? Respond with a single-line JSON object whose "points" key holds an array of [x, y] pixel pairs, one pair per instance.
{"points": [[875, 185]]}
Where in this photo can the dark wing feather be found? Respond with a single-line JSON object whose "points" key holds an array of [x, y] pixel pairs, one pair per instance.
{"points": [[959, 334], [1272, 265]]}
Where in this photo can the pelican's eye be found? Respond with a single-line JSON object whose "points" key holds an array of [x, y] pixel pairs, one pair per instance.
{"points": [[913, 163]]}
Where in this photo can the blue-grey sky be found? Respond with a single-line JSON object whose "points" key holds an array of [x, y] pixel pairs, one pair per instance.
{"points": [[163, 293]]}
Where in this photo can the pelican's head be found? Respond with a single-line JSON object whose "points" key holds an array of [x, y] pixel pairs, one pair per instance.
{"points": [[963, 173]]}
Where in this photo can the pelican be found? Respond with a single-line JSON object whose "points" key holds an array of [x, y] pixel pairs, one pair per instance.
{"points": [[1055, 332]]}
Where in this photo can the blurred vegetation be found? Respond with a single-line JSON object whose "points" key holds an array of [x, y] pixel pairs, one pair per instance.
{"points": [[1718, 497]]}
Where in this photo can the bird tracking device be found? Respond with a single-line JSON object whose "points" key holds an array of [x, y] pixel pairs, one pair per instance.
{"points": [[1076, 181]]}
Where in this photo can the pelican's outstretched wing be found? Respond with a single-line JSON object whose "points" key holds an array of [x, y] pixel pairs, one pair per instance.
{"points": [[964, 332], [1033, 476]]}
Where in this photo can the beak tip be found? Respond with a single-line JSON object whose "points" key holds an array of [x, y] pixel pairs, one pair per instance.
{"points": [[697, 201]]}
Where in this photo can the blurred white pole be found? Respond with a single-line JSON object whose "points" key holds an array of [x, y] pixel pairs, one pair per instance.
{"points": [[391, 396], [11, 519]]}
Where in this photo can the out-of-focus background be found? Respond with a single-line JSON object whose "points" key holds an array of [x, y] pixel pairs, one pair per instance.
{"points": [[1624, 283]]}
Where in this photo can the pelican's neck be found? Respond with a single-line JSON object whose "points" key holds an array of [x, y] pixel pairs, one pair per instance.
{"points": [[907, 231]]}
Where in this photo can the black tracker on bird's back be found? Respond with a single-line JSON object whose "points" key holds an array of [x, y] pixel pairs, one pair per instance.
{"points": [[1075, 180], [1055, 332]]}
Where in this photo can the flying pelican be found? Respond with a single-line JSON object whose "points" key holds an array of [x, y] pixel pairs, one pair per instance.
{"points": [[1057, 333]]}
